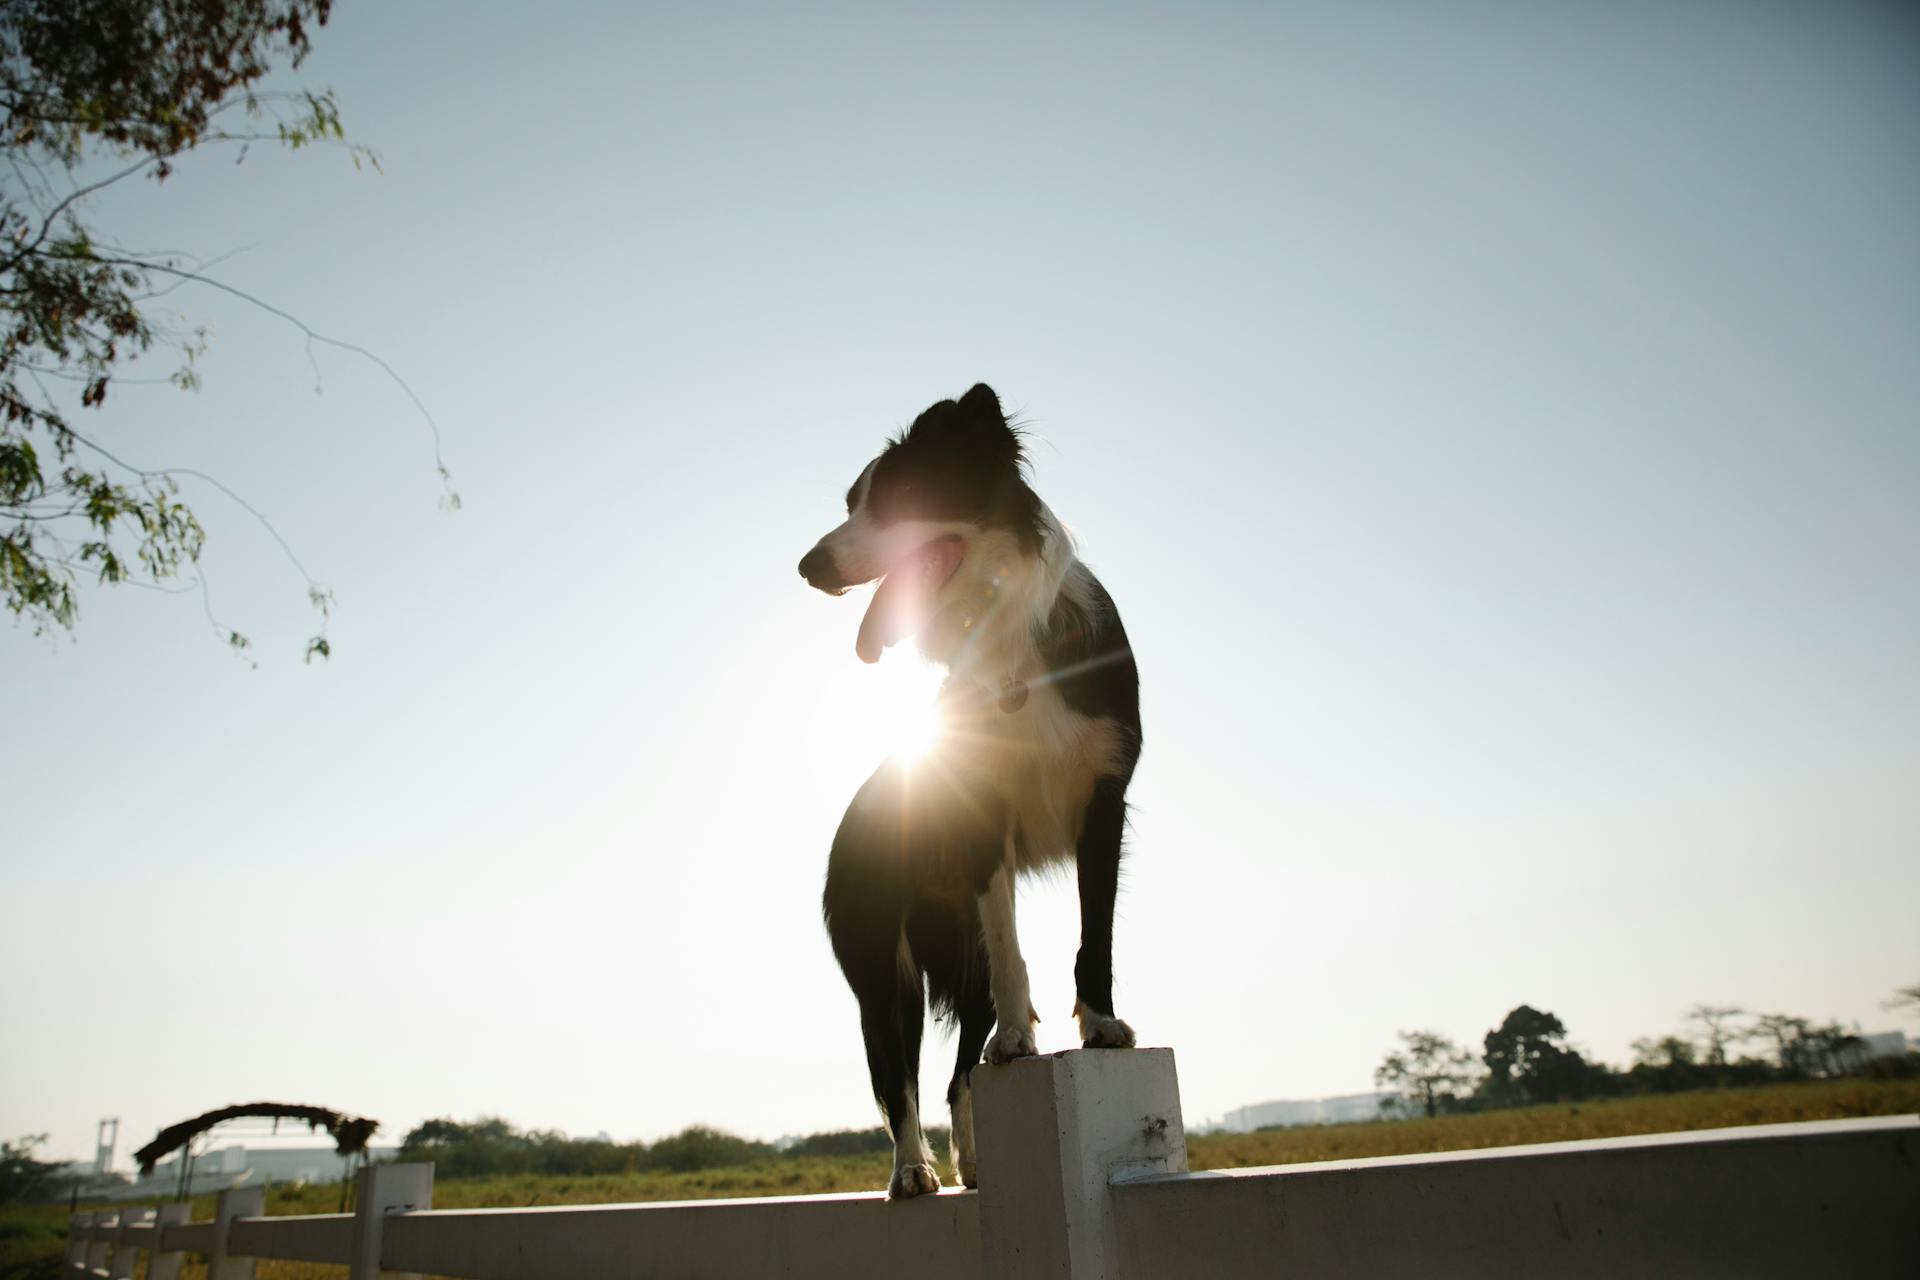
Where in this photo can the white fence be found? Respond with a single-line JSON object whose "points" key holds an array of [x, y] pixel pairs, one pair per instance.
{"points": [[1083, 1168]]}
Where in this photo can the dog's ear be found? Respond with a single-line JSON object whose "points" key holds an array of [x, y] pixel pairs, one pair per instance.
{"points": [[982, 402], [972, 426]]}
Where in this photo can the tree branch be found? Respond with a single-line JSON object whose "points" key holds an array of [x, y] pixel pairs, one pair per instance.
{"points": [[144, 474], [312, 336], [78, 193]]}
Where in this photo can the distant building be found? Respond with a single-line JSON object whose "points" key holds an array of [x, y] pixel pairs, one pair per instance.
{"points": [[81, 1173], [240, 1166], [1874, 1044], [1345, 1109]]}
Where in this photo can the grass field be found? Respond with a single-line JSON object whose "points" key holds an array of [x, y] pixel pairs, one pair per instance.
{"points": [[31, 1237]]}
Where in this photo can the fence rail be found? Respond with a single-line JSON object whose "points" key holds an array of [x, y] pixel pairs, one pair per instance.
{"points": [[1084, 1177], [324, 1237]]}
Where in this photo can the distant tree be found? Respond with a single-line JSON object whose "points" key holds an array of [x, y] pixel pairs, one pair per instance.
{"points": [[1717, 1029], [94, 93], [1528, 1060], [700, 1147], [1907, 998], [1427, 1069], [1833, 1049], [489, 1146], [22, 1176], [429, 1136], [842, 1142], [1788, 1038], [1666, 1064], [1665, 1051]]}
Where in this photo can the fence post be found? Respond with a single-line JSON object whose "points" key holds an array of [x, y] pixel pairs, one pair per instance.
{"points": [[1053, 1134], [234, 1202], [77, 1230], [124, 1255], [99, 1243], [166, 1266], [381, 1190]]}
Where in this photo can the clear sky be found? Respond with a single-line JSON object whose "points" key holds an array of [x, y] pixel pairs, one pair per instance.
{"points": [[1499, 425]]}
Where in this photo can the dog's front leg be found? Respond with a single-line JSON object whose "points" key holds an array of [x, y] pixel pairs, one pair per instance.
{"points": [[1099, 872], [1007, 969]]}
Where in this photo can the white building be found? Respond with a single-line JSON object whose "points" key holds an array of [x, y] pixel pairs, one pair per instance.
{"points": [[1871, 1045], [236, 1165], [1344, 1109]]}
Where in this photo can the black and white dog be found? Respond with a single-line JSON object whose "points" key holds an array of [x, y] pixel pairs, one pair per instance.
{"points": [[1041, 710]]}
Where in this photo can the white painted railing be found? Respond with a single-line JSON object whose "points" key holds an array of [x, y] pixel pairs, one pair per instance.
{"points": [[1083, 1167]]}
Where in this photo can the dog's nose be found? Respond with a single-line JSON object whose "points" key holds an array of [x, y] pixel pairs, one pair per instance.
{"points": [[817, 568]]}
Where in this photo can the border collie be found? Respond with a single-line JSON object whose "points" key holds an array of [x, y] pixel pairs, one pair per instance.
{"points": [[1041, 729]]}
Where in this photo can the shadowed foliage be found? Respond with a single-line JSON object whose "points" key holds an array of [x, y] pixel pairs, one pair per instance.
{"points": [[349, 1133], [95, 93]]}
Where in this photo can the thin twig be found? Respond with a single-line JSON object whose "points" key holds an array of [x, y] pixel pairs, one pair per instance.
{"points": [[251, 510], [78, 193], [312, 336]]}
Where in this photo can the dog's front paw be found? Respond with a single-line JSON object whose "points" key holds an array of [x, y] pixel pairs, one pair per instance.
{"points": [[1105, 1032], [969, 1171], [911, 1180], [1009, 1043]]}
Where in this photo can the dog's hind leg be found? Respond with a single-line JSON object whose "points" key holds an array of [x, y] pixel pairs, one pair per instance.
{"points": [[973, 1011], [946, 940], [892, 1011], [865, 905], [1099, 874], [960, 985]]}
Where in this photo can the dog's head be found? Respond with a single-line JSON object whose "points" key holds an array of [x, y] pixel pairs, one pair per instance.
{"points": [[916, 514]]}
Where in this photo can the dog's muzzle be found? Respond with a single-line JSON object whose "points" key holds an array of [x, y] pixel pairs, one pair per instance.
{"points": [[821, 573]]}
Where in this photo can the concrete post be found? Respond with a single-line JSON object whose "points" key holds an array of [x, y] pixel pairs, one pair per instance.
{"points": [[77, 1243], [235, 1202], [100, 1244], [166, 1266], [1053, 1133], [125, 1255], [379, 1191]]}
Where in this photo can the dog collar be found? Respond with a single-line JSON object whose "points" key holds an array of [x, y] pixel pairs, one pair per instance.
{"points": [[971, 694]]}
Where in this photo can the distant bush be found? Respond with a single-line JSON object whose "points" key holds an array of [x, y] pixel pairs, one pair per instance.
{"points": [[704, 1148], [842, 1142], [490, 1147], [22, 1177], [1905, 1067]]}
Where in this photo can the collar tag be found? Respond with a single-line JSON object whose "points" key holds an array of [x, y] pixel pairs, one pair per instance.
{"points": [[1013, 696]]}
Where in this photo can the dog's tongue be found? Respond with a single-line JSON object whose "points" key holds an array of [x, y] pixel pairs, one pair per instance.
{"points": [[903, 598]]}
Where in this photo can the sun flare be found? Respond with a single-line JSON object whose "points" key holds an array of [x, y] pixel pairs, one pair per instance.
{"points": [[903, 717], [856, 716], [915, 729]]}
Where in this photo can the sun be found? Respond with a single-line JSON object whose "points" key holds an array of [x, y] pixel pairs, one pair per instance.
{"points": [[903, 706], [914, 730], [856, 716]]}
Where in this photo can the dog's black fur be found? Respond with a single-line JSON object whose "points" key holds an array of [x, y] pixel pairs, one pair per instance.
{"points": [[922, 843]]}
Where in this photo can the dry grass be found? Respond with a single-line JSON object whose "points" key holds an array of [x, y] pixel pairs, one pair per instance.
{"points": [[1607, 1118], [30, 1237]]}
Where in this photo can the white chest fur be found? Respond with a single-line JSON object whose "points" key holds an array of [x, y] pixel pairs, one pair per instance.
{"points": [[1042, 757], [1044, 760]]}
